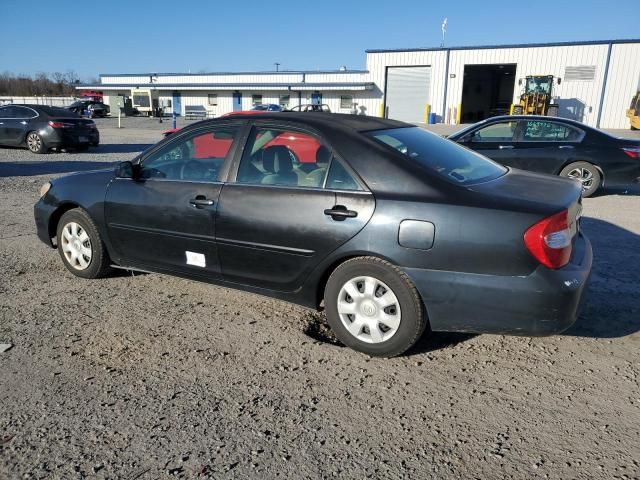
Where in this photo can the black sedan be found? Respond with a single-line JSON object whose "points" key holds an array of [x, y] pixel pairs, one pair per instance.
{"points": [[40, 128], [556, 146], [91, 107], [392, 229]]}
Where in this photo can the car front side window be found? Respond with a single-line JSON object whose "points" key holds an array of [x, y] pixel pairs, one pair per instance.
{"points": [[197, 157], [496, 132]]}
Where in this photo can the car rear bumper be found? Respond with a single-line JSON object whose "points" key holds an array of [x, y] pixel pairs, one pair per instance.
{"points": [[543, 303], [61, 138]]}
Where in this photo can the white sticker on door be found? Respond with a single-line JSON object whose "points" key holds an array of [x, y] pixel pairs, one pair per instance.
{"points": [[196, 259]]}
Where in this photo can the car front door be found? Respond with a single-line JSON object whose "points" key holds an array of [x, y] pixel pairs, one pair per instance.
{"points": [[277, 221], [495, 141], [545, 146], [164, 218]]}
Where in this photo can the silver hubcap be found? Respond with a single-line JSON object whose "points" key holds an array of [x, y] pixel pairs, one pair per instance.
{"points": [[584, 175], [369, 309], [76, 246], [34, 142]]}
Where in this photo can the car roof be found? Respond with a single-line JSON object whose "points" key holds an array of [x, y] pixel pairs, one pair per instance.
{"points": [[323, 119]]}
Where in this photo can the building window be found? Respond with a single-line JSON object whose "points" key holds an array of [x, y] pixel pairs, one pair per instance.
{"points": [[284, 101], [213, 99], [256, 100], [346, 101]]}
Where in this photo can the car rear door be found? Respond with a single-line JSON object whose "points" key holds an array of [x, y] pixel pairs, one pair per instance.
{"points": [[544, 146], [495, 140], [165, 218], [276, 222]]}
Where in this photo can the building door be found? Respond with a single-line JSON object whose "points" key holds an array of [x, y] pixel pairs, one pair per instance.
{"points": [[237, 101], [487, 91], [316, 98], [407, 93], [177, 103]]}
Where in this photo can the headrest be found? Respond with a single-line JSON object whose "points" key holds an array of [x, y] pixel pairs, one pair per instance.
{"points": [[323, 156], [277, 159]]}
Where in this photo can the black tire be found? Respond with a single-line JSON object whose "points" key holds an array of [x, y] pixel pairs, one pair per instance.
{"points": [[552, 111], [35, 144], [582, 171], [82, 148], [412, 319], [517, 110], [99, 261]]}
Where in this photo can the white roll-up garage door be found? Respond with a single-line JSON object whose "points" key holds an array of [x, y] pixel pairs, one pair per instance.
{"points": [[407, 93]]}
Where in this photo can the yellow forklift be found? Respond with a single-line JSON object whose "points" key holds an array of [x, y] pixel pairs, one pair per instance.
{"points": [[537, 96], [634, 112]]}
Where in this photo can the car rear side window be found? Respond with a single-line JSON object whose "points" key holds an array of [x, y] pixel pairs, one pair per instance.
{"points": [[443, 157], [543, 131], [282, 156], [198, 157]]}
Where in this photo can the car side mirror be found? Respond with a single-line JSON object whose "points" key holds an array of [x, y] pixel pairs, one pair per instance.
{"points": [[125, 170], [559, 80]]}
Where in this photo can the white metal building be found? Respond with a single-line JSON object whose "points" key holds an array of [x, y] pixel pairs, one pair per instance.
{"points": [[455, 85]]}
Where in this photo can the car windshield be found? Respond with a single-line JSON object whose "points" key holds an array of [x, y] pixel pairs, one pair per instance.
{"points": [[260, 107], [448, 159]]}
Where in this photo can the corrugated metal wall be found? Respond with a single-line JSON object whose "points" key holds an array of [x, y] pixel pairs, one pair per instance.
{"points": [[622, 83], [579, 98]]}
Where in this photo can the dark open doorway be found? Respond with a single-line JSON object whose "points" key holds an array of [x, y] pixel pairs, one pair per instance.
{"points": [[487, 91]]}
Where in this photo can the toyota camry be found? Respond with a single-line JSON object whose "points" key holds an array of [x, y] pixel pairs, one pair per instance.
{"points": [[390, 229]]}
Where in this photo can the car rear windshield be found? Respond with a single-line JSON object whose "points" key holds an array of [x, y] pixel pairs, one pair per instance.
{"points": [[448, 159], [57, 112]]}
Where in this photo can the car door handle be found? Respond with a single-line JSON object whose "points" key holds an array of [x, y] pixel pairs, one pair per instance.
{"points": [[340, 212], [566, 147], [199, 202], [505, 147]]}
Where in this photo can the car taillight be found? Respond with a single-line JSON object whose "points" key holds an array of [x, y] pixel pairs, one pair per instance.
{"points": [[549, 240], [53, 124], [633, 152]]}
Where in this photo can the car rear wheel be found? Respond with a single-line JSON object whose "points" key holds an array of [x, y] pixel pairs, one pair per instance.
{"points": [[35, 143], [80, 246], [588, 175], [373, 307]]}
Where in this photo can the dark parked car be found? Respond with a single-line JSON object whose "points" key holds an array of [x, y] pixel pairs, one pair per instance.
{"points": [[92, 107], [40, 128], [393, 229], [556, 146]]}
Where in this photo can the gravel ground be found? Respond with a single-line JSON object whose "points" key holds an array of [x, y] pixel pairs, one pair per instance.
{"points": [[148, 376]]}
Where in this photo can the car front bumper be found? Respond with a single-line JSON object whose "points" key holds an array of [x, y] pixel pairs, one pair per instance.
{"points": [[542, 303], [42, 212]]}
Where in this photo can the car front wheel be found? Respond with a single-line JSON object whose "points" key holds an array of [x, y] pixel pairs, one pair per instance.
{"points": [[80, 246], [586, 173], [373, 307]]}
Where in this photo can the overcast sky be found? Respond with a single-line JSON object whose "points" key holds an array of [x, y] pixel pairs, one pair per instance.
{"points": [[128, 36]]}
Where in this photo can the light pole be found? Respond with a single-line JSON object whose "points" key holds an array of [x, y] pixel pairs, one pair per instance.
{"points": [[277, 66]]}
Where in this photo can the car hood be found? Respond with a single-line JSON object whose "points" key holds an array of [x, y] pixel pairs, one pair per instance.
{"points": [[533, 192]]}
